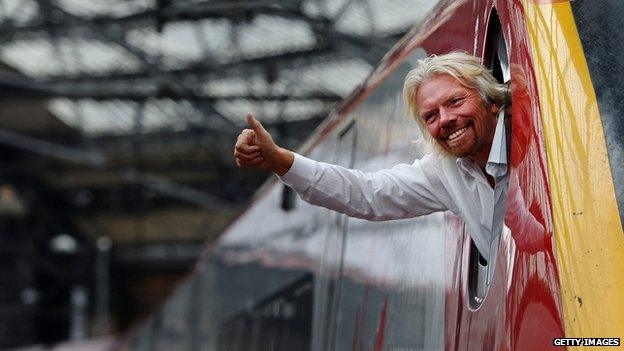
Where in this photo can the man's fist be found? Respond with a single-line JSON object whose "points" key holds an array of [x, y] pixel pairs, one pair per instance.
{"points": [[255, 148]]}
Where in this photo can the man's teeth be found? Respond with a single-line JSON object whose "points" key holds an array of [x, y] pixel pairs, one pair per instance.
{"points": [[457, 133]]}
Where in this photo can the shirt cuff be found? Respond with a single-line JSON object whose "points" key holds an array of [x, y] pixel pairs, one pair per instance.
{"points": [[301, 174]]}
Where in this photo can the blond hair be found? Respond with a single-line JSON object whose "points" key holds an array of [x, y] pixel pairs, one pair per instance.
{"points": [[467, 69]]}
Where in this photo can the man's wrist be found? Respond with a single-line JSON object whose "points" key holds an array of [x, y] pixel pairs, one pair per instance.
{"points": [[283, 162]]}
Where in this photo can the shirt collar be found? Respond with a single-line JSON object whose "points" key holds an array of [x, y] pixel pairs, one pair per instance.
{"points": [[497, 164]]}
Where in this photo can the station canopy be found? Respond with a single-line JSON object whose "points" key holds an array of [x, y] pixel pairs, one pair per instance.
{"points": [[140, 101], [122, 67]]}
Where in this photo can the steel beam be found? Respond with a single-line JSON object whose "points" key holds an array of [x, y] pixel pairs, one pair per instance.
{"points": [[282, 61]]}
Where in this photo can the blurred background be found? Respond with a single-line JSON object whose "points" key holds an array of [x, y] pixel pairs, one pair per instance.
{"points": [[117, 123]]}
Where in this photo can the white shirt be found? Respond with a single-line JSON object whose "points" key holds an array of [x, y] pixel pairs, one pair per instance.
{"points": [[433, 183]]}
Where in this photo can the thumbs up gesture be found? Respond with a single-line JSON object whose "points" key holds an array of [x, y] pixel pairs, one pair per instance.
{"points": [[256, 149]]}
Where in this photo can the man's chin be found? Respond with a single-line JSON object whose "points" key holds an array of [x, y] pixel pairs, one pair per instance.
{"points": [[462, 154], [458, 152]]}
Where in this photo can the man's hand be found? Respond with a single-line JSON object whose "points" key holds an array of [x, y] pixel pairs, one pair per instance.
{"points": [[255, 148]]}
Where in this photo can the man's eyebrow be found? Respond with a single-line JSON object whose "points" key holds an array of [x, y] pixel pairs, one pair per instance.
{"points": [[458, 94], [453, 95], [423, 113]]}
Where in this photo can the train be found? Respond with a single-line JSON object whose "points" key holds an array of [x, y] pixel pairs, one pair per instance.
{"points": [[286, 275]]}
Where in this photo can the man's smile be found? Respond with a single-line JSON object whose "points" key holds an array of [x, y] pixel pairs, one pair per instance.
{"points": [[457, 133]]}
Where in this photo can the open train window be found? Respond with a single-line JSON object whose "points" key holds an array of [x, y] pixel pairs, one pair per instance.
{"points": [[480, 268], [496, 58]]}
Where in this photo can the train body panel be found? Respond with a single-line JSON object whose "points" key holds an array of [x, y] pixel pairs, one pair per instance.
{"points": [[287, 275]]}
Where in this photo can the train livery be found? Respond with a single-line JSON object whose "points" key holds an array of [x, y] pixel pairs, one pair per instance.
{"points": [[286, 275]]}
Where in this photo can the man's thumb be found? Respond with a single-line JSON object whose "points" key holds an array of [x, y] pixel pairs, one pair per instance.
{"points": [[255, 124]]}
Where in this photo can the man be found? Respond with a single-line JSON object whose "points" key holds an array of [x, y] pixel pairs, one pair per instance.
{"points": [[458, 105]]}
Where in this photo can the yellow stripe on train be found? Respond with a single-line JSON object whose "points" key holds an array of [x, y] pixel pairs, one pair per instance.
{"points": [[588, 231]]}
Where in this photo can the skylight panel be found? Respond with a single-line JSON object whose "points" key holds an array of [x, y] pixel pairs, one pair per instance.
{"points": [[44, 57], [115, 8], [18, 11], [339, 77], [179, 43], [395, 15], [95, 118], [183, 42], [316, 8], [270, 34], [359, 20], [235, 86], [270, 111]]}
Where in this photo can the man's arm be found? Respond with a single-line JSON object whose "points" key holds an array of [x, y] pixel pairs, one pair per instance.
{"points": [[401, 192]]}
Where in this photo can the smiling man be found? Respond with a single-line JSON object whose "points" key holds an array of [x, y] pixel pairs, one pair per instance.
{"points": [[458, 105]]}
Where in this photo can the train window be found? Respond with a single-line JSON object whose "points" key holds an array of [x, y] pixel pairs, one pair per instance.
{"points": [[477, 284], [496, 58], [480, 268]]}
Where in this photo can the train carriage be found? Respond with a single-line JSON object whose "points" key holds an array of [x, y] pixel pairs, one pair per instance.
{"points": [[286, 275]]}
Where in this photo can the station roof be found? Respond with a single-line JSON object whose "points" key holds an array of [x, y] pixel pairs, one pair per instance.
{"points": [[125, 108], [126, 66]]}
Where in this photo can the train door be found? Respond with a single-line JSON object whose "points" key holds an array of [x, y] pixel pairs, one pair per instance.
{"points": [[330, 278]]}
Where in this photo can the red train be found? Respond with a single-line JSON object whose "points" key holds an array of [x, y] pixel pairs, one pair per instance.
{"points": [[290, 276]]}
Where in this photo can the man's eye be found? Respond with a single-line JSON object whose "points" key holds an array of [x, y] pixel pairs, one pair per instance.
{"points": [[429, 117], [456, 101]]}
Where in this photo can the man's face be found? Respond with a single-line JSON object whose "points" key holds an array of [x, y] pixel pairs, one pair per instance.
{"points": [[456, 117]]}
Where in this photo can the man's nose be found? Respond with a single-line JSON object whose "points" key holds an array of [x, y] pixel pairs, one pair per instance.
{"points": [[447, 118]]}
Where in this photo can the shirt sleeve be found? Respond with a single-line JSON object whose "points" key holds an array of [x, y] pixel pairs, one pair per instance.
{"points": [[403, 191]]}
